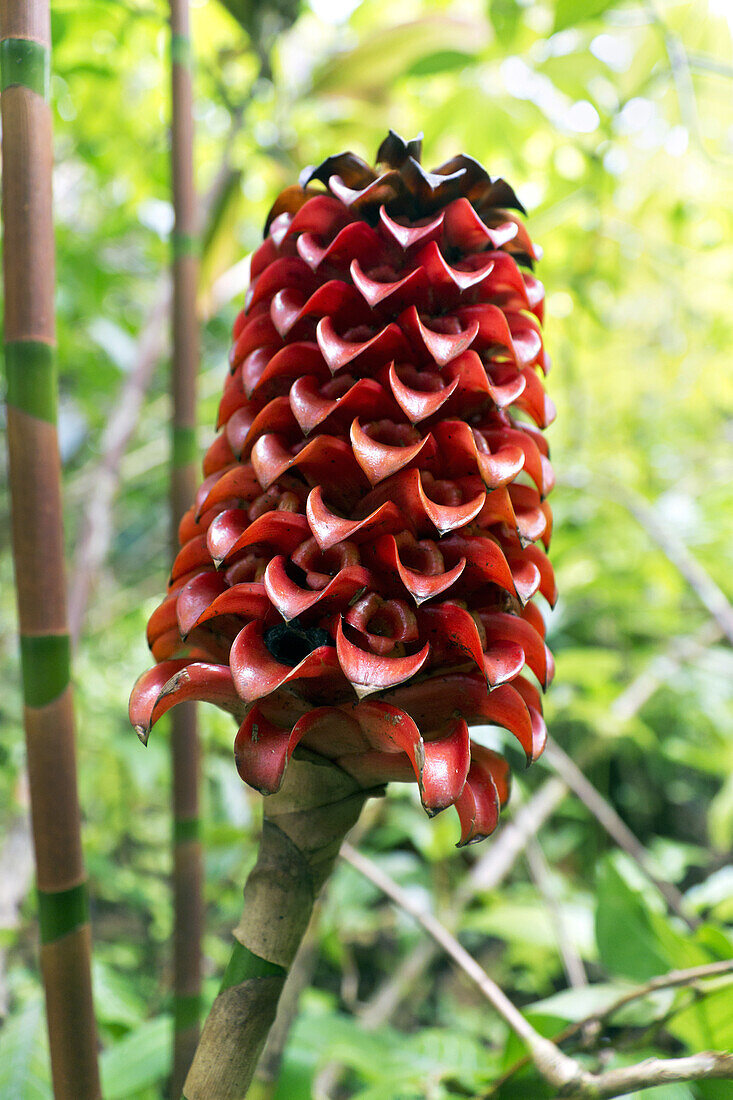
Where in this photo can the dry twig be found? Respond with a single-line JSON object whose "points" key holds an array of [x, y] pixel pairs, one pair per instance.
{"points": [[707, 590], [672, 979], [617, 829], [557, 1068], [542, 876]]}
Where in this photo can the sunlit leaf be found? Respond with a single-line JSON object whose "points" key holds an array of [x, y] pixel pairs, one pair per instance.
{"points": [[506, 16], [375, 62], [568, 13]]}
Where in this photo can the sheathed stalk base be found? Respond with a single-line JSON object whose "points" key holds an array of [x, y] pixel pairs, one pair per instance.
{"points": [[304, 826]]}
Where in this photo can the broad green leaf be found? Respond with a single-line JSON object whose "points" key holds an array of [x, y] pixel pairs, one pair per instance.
{"points": [[720, 816], [374, 63], [506, 17], [575, 1004], [442, 61], [708, 1024], [139, 1060], [115, 1000], [569, 13], [681, 949], [627, 940], [295, 1081], [639, 942], [24, 1065]]}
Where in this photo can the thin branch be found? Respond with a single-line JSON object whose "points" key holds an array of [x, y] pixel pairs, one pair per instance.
{"points": [[673, 979], [557, 1068], [706, 1066], [701, 63], [679, 63], [487, 874], [552, 1063], [617, 829], [97, 526], [540, 872], [707, 590]]}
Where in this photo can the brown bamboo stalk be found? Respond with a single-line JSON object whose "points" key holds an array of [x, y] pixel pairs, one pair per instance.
{"points": [[25, 48], [304, 826], [187, 853]]}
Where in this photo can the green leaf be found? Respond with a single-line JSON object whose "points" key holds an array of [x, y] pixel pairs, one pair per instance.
{"points": [[547, 1024], [575, 1004], [720, 816], [442, 61], [681, 949], [379, 60], [568, 13], [295, 1081], [712, 1090], [639, 942], [627, 941], [506, 16], [139, 1060], [386, 1059], [708, 1024], [115, 1000], [24, 1063]]}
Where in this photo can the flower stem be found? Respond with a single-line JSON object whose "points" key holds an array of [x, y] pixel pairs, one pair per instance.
{"points": [[304, 826]]}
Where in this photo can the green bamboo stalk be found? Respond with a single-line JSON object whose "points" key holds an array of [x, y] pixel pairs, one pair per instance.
{"points": [[187, 853], [35, 490], [304, 826]]}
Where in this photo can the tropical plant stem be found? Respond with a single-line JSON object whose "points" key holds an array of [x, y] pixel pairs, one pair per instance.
{"points": [[265, 1081], [304, 826], [25, 46]]}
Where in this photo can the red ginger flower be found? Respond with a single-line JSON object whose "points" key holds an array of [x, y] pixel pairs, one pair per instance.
{"points": [[357, 572]]}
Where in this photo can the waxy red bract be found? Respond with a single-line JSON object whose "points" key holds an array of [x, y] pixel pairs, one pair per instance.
{"points": [[358, 571]]}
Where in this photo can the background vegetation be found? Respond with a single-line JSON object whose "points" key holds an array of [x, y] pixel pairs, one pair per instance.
{"points": [[614, 124]]}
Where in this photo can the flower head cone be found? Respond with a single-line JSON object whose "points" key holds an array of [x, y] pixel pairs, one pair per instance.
{"points": [[357, 573]]}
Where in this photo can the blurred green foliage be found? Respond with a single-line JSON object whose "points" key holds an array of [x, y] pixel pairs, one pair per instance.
{"points": [[613, 122]]}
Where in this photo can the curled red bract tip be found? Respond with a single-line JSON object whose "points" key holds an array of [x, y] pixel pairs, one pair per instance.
{"points": [[362, 569]]}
